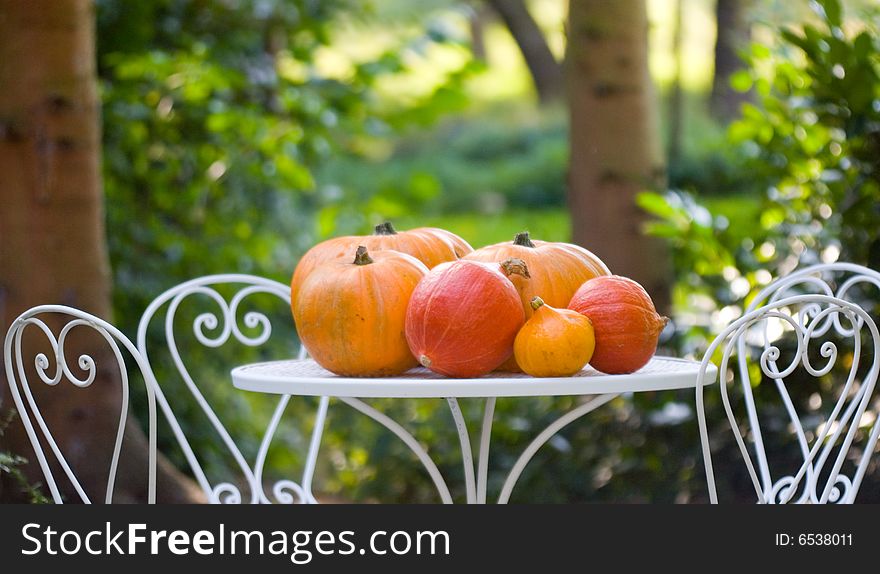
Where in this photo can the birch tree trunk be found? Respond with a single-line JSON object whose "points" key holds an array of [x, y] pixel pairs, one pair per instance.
{"points": [[615, 147]]}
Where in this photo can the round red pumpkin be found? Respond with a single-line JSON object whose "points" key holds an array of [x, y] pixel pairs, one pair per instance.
{"points": [[625, 323], [556, 270], [463, 317]]}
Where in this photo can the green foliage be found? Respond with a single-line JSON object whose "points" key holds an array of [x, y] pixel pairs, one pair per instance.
{"points": [[506, 158], [812, 142], [9, 467], [815, 135]]}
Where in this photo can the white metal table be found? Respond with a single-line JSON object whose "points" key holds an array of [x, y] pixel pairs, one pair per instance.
{"points": [[304, 377]]}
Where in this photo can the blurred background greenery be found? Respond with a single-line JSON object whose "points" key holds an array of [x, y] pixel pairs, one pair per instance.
{"points": [[238, 134], [251, 130]]}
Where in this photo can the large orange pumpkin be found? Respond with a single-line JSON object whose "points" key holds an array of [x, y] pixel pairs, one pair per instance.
{"points": [[463, 317], [350, 313], [429, 245], [626, 324], [556, 270]]}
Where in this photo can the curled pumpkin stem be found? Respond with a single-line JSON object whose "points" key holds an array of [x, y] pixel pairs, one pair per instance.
{"points": [[522, 239], [514, 266], [361, 257], [536, 303], [384, 229]]}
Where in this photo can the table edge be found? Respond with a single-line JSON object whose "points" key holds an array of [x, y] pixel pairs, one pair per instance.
{"points": [[465, 388]]}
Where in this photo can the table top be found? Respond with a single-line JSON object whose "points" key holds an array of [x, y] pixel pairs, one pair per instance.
{"points": [[306, 378]]}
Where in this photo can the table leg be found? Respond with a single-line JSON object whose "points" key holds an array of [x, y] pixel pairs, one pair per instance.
{"points": [[408, 439], [467, 457], [485, 437], [544, 436], [314, 447]]}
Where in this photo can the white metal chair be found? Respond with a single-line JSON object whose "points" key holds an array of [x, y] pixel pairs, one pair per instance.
{"points": [[810, 302], [848, 281], [224, 319], [29, 412]]}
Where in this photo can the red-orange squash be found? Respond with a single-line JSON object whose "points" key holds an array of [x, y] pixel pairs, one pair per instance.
{"points": [[626, 324], [554, 342], [463, 317], [350, 314], [556, 270], [429, 245]]}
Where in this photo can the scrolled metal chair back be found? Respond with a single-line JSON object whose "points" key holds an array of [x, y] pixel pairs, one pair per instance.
{"points": [[820, 440], [223, 319], [847, 281], [840, 280], [35, 424]]}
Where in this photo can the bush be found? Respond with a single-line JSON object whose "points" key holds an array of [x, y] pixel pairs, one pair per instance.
{"points": [[11, 475], [813, 140], [507, 158]]}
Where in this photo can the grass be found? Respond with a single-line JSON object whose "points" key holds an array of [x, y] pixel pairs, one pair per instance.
{"points": [[479, 230], [554, 224]]}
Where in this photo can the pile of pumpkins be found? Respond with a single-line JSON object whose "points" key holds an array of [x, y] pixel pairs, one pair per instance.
{"points": [[381, 304]]}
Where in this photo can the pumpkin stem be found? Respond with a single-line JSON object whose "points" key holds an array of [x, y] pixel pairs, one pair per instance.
{"points": [[361, 257], [516, 266], [536, 303], [385, 229], [522, 239], [425, 361]]}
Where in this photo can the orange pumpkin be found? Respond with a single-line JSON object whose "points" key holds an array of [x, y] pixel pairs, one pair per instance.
{"points": [[626, 323], [350, 315], [556, 270], [429, 245], [464, 316], [554, 342]]}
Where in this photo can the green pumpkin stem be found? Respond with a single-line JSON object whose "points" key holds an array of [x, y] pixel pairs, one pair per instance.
{"points": [[514, 266], [522, 239], [361, 257], [385, 229], [536, 303]]}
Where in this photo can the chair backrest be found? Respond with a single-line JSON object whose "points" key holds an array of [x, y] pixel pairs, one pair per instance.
{"points": [[833, 279], [223, 319], [820, 437], [842, 280], [26, 402]]}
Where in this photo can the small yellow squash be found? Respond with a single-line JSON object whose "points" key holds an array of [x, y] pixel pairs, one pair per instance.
{"points": [[554, 342]]}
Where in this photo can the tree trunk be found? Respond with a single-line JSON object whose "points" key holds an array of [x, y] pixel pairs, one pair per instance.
{"points": [[733, 36], [53, 247], [676, 94], [615, 147], [546, 72], [477, 24]]}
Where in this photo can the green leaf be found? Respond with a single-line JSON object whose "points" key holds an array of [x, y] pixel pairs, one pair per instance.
{"points": [[741, 81], [655, 204], [829, 10]]}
